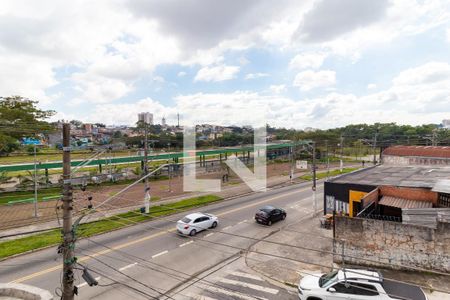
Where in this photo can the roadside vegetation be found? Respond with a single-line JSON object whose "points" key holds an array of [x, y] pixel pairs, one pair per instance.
{"points": [[332, 173], [53, 237]]}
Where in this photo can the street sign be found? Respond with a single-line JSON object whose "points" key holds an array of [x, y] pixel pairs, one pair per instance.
{"points": [[301, 164]]}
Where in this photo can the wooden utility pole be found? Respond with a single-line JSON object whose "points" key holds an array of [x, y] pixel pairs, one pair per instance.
{"points": [[68, 236]]}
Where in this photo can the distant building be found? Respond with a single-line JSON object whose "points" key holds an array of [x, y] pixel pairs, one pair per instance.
{"points": [[145, 117], [163, 121], [446, 124], [88, 128]]}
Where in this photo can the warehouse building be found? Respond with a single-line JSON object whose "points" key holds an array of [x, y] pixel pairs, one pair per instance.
{"points": [[409, 177]]}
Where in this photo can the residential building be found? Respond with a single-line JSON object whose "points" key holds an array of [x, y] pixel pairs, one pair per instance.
{"points": [[145, 117]]}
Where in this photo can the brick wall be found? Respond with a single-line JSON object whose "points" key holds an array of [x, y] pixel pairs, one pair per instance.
{"points": [[414, 160], [392, 245], [416, 194]]}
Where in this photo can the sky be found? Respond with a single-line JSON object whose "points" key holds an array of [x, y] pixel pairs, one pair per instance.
{"points": [[290, 63]]}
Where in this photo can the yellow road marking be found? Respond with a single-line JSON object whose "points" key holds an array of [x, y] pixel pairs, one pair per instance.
{"points": [[121, 246]]}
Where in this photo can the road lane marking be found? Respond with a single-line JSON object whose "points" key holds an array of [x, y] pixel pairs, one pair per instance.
{"points": [[241, 222], [232, 294], [118, 247], [246, 275], [209, 234], [128, 266], [250, 286], [185, 244], [228, 227], [160, 253], [85, 283]]}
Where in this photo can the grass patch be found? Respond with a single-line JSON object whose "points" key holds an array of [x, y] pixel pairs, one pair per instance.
{"points": [[332, 173], [13, 196], [53, 237]]}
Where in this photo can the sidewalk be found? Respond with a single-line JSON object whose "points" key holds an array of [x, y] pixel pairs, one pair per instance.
{"points": [[289, 271]]}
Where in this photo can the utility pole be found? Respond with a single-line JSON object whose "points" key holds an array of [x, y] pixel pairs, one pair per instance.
{"points": [[328, 160], [434, 138], [314, 177], [146, 188], [35, 185], [374, 146], [291, 160], [68, 236], [341, 165]]}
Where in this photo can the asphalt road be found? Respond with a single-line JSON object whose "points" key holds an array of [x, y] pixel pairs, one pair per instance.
{"points": [[148, 260]]}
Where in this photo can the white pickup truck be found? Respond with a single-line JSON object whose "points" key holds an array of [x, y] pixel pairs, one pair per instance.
{"points": [[355, 284]]}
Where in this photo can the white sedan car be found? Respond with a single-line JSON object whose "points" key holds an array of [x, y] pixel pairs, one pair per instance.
{"points": [[196, 222]]}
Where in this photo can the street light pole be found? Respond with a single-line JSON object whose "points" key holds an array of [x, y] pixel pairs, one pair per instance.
{"points": [[35, 185], [146, 187], [314, 177]]}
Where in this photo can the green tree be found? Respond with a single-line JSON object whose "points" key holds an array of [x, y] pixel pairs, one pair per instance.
{"points": [[19, 117]]}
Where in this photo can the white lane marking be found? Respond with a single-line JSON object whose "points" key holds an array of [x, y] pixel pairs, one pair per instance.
{"points": [[230, 293], [185, 244], [250, 285], [251, 276], [241, 222], [209, 234], [128, 266], [160, 253], [85, 283], [228, 227]]}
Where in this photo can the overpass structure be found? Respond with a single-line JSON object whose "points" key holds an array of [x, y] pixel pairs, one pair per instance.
{"points": [[271, 149]]}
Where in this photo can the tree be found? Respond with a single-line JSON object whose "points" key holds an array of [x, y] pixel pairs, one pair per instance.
{"points": [[19, 117], [7, 144]]}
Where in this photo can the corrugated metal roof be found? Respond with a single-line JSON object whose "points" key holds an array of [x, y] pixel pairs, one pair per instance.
{"points": [[425, 151], [407, 176], [404, 203], [442, 186]]}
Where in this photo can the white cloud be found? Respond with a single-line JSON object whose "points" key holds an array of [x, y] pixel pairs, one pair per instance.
{"points": [[371, 86], [159, 79], [308, 80], [428, 73], [217, 73], [309, 60], [448, 35], [277, 89], [256, 75], [181, 74]]}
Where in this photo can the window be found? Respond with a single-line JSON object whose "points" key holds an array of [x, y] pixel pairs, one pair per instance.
{"points": [[198, 220], [356, 288], [364, 289], [186, 220], [326, 278]]}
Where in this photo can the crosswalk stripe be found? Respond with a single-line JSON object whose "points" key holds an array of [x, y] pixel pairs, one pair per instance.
{"points": [[250, 285], [251, 276], [232, 294]]}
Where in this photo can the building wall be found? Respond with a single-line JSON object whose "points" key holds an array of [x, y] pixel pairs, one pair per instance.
{"points": [[392, 245], [414, 160], [416, 194], [340, 192]]}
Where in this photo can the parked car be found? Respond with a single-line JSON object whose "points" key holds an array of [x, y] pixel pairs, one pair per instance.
{"points": [[355, 284], [196, 222], [269, 214]]}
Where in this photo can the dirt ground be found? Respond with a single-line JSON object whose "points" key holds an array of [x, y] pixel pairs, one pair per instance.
{"points": [[23, 214]]}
